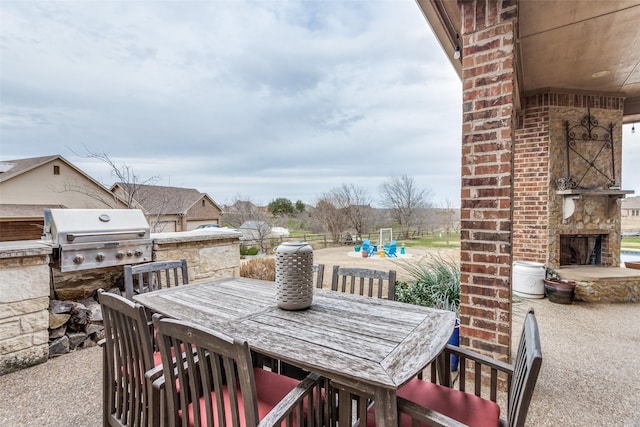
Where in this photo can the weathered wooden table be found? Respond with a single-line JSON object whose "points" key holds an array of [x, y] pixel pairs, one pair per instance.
{"points": [[367, 344]]}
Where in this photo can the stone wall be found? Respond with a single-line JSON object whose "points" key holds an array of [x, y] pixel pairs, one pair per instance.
{"points": [[209, 254], [24, 300]]}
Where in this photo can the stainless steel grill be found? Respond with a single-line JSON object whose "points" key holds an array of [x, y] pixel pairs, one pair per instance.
{"points": [[83, 239]]}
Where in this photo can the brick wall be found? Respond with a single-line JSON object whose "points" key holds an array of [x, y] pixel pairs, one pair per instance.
{"points": [[531, 185], [488, 110]]}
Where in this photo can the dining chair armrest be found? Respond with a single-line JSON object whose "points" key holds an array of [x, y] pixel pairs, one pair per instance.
{"points": [[477, 363], [154, 374], [294, 399], [425, 415], [464, 353]]}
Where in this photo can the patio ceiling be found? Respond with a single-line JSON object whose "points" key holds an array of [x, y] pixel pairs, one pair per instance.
{"points": [[583, 45]]}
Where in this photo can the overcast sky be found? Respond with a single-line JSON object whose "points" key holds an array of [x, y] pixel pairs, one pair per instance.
{"points": [[253, 100]]}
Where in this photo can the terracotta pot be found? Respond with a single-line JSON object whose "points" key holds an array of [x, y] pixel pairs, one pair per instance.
{"points": [[632, 264], [559, 291]]}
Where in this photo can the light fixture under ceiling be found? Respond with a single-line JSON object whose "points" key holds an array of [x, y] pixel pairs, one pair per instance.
{"points": [[456, 52], [600, 74]]}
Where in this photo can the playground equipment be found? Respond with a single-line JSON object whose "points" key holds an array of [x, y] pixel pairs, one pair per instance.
{"points": [[386, 237]]}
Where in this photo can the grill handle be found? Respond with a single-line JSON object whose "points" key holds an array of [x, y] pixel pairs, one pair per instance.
{"points": [[72, 236]]}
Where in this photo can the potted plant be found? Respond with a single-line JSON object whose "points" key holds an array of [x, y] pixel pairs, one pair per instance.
{"points": [[435, 283], [558, 290]]}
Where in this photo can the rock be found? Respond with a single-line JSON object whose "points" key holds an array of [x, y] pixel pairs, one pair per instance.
{"points": [[95, 312], [88, 343], [58, 320], [76, 338], [59, 307], [57, 332], [79, 317], [93, 328], [59, 347]]}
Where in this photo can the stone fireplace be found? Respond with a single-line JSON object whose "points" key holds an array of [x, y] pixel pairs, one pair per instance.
{"points": [[567, 180], [567, 159]]}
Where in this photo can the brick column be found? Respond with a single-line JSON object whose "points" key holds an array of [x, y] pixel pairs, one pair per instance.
{"points": [[488, 109]]}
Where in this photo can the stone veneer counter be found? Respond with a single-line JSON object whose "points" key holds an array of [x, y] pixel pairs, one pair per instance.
{"points": [[24, 300]]}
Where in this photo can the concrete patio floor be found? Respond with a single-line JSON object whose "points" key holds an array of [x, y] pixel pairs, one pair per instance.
{"points": [[589, 376]]}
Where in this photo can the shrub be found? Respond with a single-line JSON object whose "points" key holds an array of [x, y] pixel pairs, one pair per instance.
{"points": [[259, 268], [435, 283], [249, 250]]}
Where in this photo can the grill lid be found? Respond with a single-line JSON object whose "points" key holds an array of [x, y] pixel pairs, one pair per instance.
{"points": [[66, 226]]}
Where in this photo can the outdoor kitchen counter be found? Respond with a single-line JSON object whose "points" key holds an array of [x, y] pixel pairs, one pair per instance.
{"points": [[195, 235], [24, 248]]}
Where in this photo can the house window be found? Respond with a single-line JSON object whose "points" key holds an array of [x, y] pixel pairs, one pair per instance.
{"points": [[56, 170], [635, 212], [203, 204]]}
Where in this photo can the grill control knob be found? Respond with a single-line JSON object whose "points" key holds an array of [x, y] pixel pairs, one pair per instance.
{"points": [[129, 253], [99, 256], [120, 254], [138, 252], [78, 259]]}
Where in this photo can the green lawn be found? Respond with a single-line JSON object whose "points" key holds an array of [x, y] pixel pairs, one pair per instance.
{"points": [[630, 243]]}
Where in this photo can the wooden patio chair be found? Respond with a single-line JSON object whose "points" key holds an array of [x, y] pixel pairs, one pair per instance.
{"points": [[147, 277], [364, 281], [441, 404], [128, 399], [318, 272], [225, 389]]}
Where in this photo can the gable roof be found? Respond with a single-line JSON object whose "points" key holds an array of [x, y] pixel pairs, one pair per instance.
{"points": [[13, 168], [158, 199], [631, 203]]}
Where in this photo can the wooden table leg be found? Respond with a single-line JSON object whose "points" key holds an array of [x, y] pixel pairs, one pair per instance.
{"points": [[386, 407]]}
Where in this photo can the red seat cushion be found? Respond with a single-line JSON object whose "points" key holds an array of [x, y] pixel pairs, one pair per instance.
{"points": [[271, 388], [466, 408]]}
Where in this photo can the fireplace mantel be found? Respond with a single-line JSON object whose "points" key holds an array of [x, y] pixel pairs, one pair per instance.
{"points": [[570, 196]]}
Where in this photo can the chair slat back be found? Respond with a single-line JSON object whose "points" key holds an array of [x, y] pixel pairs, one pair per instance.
{"points": [[526, 368], [318, 272], [218, 361], [147, 277], [128, 354], [364, 281]]}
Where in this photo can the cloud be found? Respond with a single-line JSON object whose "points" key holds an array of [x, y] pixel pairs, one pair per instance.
{"points": [[265, 99]]}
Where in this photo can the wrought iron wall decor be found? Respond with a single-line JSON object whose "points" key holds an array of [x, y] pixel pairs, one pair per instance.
{"points": [[591, 145]]}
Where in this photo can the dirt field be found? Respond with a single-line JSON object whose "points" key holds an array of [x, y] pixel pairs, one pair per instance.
{"points": [[340, 256]]}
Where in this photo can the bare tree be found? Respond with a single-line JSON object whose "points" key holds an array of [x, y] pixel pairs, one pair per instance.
{"points": [[355, 203], [242, 209], [330, 215], [452, 218], [402, 196], [132, 192], [123, 174]]}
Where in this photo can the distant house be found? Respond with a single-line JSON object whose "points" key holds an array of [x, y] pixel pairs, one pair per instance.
{"points": [[630, 213], [255, 231], [28, 186], [170, 208]]}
